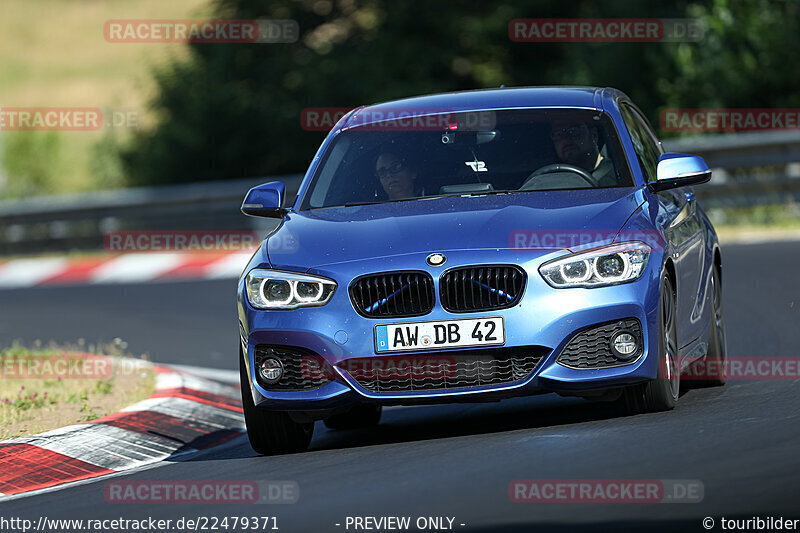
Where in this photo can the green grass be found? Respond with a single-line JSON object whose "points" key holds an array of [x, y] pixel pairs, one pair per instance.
{"points": [[41, 401], [53, 54], [763, 217]]}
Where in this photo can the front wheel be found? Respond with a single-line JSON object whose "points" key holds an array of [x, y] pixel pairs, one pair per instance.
{"points": [[271, 432], [716, 358], [660, 394]]}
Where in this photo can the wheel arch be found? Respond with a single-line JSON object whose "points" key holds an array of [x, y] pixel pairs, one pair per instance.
{"points": [[669, 268], [718, 262]]}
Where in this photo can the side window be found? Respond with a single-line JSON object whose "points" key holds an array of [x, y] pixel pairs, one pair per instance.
{"points": [[647, 150]]}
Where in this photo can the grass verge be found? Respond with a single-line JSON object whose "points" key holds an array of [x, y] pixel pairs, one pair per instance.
{"points": [[54, 54], [45, 388]]}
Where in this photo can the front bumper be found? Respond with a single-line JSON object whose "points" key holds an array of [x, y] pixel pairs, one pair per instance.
{"points": [[545, 318]]}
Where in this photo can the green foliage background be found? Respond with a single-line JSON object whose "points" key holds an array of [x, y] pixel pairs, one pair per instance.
{"points": [[233, 110]]}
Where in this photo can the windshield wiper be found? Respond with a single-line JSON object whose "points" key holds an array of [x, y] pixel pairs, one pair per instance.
{"points": [[453, 195], [487, 193], [462, 194], [353, 204]]}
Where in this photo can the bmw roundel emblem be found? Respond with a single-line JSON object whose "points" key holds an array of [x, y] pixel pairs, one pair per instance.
{"points": [[436, 260]]}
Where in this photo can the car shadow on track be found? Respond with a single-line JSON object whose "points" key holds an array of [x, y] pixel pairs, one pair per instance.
{"points": [[431, 422], [460, 420]]}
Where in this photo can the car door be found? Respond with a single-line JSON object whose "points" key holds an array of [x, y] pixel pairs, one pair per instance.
{"points": [[678, 219]]}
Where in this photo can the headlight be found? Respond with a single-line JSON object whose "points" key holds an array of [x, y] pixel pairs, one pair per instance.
{"points": [[609, 265], [273, 289]]}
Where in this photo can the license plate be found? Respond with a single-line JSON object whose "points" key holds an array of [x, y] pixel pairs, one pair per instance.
{"points": [[438, 335]]}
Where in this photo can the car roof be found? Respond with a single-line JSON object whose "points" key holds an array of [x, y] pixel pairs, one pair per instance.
{"points": [[486, 99]]}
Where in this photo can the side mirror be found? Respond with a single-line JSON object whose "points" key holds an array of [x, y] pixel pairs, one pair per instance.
{"points": [[679, 170], [265, 200]]}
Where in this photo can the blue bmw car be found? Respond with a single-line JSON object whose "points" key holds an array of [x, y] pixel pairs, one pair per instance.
{"points": [[476, 246]]}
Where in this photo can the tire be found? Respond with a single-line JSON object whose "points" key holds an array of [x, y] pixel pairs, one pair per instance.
{"points": [[660, 394], [360, 416], [271, 432], [717, 354]]}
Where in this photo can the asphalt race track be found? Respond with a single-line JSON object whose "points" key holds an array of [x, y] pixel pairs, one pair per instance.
{"points": [[740, 440]]}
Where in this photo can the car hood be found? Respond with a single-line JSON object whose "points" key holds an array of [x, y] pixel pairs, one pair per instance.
{"points": [[542, 219]]}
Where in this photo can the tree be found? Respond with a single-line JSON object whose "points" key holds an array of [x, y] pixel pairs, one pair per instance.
{"points": [[233, 110]]}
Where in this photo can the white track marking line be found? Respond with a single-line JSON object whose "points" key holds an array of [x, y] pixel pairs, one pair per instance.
{"points": [[230, 266], [229, 376], [136, 267], [191, 411], [30, 272], [176, 381]]}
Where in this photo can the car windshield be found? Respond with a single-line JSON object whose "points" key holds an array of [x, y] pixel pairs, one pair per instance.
{"points": [[475, 153]]}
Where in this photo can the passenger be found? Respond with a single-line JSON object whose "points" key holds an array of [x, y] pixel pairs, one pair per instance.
{"points": [[396, 177]]}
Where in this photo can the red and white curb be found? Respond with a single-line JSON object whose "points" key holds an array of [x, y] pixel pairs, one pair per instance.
{"points": [[126, 268], [187, 413]]}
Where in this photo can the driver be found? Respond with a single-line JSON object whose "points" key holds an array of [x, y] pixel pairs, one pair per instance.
{"points": [[575, 144]]}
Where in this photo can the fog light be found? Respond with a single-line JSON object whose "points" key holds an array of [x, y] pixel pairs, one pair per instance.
{"points": [[624, 345], [271, 370]]}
